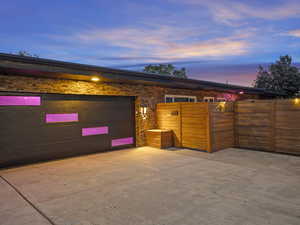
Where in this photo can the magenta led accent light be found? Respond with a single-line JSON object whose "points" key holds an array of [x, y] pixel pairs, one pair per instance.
{"points": [[94, 131], [60, 118], [122, 141], [20, 100]]}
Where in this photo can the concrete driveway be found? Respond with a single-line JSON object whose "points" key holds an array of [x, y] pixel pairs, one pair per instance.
{"points": [[155, 187]]}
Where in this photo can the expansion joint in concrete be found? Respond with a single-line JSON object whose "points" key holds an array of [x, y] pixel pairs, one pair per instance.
{"points": [[27, 200]]}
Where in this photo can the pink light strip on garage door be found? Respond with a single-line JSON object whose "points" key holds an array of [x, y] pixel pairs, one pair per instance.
{"points": [[20, 100], [94, 131], [61, 118], [122, 141]]}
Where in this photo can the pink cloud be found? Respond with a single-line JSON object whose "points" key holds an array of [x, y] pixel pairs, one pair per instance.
{"points": [[294, 33]]}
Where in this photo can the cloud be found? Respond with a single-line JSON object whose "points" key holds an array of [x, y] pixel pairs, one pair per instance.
{"points": [[134, 38], [163, 43], [294, 33], [229, 12], [213, 48]]}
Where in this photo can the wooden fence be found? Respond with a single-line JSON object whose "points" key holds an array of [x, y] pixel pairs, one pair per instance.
{"points": [[168, 116], [195, 126], [253, 124], [198, 125], [222, 125], [269, 125]]}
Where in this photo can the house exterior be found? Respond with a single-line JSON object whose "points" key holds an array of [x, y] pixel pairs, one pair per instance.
{"points": [[48, 89]]}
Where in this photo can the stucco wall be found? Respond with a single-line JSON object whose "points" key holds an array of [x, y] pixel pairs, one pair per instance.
{"points": [[149, 95]]}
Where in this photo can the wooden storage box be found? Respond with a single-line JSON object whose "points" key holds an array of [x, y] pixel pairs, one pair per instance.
{"points": [[159, 138]]}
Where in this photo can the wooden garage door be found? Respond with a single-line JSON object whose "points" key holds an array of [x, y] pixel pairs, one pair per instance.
{"points": [[42, 127]]}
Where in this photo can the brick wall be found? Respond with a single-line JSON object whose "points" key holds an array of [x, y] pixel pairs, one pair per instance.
{"points": [[149, 95]]}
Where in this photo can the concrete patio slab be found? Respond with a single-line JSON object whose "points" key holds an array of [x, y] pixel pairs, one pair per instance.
{"points": [[14, 210], [156, 187]]}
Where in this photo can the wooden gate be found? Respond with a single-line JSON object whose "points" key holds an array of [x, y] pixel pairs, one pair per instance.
{"points": [[195, 126]]}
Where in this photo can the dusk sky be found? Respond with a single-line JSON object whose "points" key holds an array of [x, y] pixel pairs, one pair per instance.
{"points": [[216, 40]]}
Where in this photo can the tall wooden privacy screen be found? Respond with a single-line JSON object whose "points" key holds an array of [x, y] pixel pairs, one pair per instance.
{"points": [[204, 126], [270, 125], [254, 124]]}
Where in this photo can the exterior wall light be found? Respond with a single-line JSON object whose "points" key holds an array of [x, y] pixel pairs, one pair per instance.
{"points": [[143, 111], [95, 79], [297, 100], [221, 107]]}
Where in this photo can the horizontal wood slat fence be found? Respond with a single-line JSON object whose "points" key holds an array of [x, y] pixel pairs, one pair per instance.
{"points": [[268, 125]]}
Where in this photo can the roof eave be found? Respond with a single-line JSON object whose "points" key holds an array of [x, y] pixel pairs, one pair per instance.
{"points": [[67, 70]]}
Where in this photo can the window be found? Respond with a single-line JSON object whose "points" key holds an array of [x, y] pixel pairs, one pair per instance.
{"points": [[221, 100], [209, 99], [168, 99], [180, 98]]}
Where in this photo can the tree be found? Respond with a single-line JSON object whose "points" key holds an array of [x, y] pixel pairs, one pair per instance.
{"points": [[165, 69], [280, 77], [24, 53]]}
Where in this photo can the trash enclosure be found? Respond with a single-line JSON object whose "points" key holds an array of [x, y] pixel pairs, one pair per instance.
{"points": [[204, 126], [267, 125]]}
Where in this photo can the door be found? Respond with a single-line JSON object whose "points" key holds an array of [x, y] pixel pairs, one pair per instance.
{"points": [[36, 127]]}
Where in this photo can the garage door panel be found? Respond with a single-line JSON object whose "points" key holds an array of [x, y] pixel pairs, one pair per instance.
{"points": [[52, 151], [40, 135], [4, 108], [104, 117], [98, 112], [20, 118], [59, 132], [26, 137], [60, 107], [121, 129], [105, 114], [98, 141]]}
